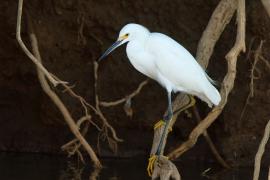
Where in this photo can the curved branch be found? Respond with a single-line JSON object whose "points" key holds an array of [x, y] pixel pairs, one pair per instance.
{"points": [[122, 100], [227, 84], [57, 101], [98, 110], [27, 52], [220, 18], [259, 154]]}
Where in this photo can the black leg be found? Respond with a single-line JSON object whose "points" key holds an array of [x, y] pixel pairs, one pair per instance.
{"points": [[167, 119]]}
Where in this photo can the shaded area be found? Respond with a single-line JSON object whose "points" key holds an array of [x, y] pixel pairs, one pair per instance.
{"points": [[29, 121], [33, 166]]}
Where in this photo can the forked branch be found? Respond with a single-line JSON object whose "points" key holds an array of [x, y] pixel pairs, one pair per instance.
{"points": [[227, 84], [27, 52], [218, 21], [60, 105]]}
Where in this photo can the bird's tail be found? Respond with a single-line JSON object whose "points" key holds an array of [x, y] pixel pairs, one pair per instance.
{"points": [[213, 95]]}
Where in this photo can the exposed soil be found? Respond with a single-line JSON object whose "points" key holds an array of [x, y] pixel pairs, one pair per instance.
{"points": [[73, 33]]}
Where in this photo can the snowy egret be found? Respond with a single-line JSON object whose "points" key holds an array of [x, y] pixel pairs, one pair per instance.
{"points": [[170, 64]]}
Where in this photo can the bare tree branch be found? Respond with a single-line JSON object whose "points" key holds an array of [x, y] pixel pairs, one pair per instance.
{"points": [[27, 52], [210, 142], [45, 86], [259, 154], [220, 18], [98, 110], [227, 84], [122, 100], [257, 56]]}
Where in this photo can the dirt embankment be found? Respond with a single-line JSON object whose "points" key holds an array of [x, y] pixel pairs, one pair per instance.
{"points": [[72, 34]]}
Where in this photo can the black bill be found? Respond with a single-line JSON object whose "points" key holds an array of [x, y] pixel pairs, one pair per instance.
{"points": [[110, 49]]}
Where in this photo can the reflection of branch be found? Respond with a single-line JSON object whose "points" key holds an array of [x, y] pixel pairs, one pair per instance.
{"points": [[57, 101], [227, 85], [94, 174], [119, 101], [27, 52], [259, 154]]}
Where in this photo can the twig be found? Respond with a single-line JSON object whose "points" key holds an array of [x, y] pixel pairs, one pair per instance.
{"points": [[83, 102], [259, 154], [210, 142], [227, 85], [252, 77], [122, 100], [27, 52], [265, 61], [73, 145], [45, 86], [99, 112]]}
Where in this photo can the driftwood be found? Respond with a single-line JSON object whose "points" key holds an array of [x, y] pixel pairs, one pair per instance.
{"points": [[28, 53], [259, 154], [227, 84], [73, 146], [57, 101], [219, 19]]}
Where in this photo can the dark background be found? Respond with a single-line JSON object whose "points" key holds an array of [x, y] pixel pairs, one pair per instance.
{"points": [[29, 121]]}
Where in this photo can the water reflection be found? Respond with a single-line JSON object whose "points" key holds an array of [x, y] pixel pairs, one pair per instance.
{"points": [[16, 166]]}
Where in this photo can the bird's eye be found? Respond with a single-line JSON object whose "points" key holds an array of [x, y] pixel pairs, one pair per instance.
{"points": [[127, 34]]}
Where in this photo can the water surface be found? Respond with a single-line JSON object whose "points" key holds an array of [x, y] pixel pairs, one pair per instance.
{"points": [[18, 166]]}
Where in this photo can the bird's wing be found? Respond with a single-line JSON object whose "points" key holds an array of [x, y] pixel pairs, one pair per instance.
{"points": [[176, 64]]}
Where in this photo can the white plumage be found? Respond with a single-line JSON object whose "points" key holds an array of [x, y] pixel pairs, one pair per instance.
{"points": [[164, 60]]}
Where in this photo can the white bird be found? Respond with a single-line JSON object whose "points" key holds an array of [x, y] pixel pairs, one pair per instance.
{"points": [[161, 58]]}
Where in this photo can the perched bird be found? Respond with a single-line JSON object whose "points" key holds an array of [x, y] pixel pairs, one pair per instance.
{"points": [[161, 58]]}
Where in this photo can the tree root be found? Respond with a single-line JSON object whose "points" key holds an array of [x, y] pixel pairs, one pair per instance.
{"points": [[165, 169], [227, 84], [259, 154], [54, 97], [257, 57], [28, 53], [219, 19]]}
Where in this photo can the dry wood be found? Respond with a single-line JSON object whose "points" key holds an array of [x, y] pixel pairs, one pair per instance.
{"points": [[28, 53], [210, 142], [60, 105], [227, 84], [257, 56], [98, 110], [122, 100], [218, 21], [259, 154]]}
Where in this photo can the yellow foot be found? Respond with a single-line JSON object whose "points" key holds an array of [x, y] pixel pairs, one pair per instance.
{"points": [[160, 124], [192, 102], [151, 163]]}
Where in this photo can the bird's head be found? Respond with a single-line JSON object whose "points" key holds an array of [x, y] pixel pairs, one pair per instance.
{"points": [[128, 33]]}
